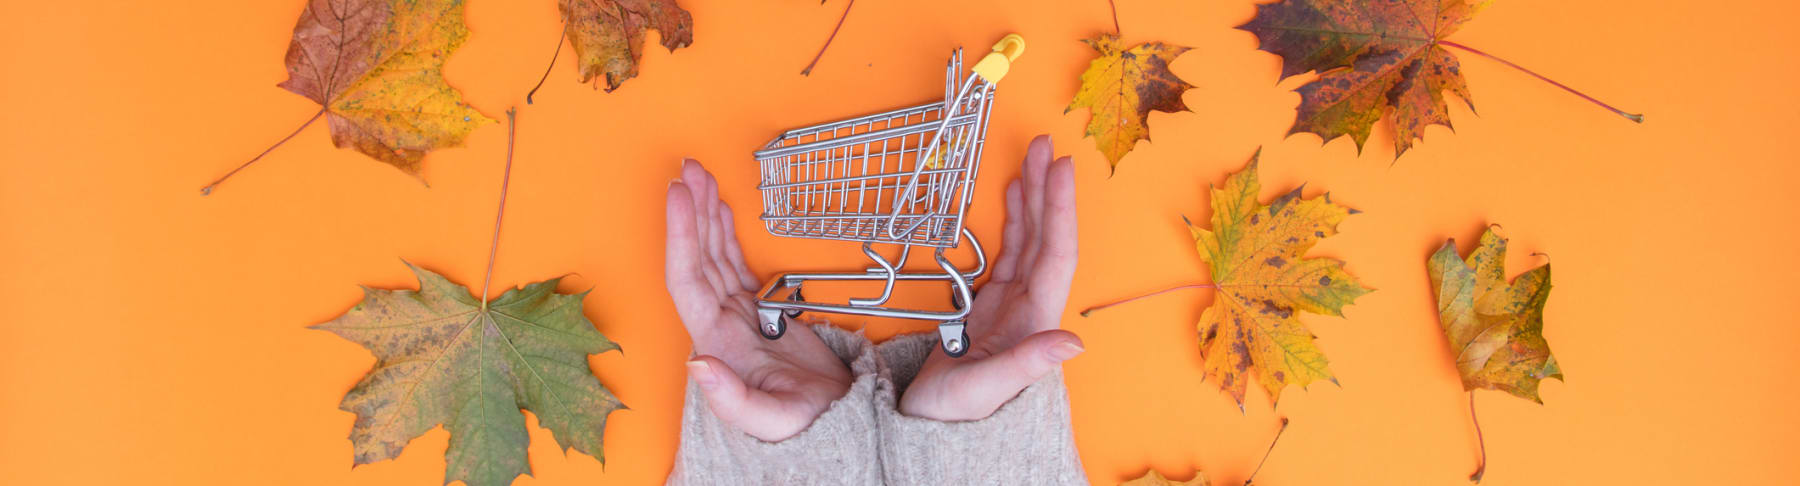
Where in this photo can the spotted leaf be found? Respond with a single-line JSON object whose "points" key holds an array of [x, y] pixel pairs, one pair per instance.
{"points": [[1495, 329], [1257, 256], [1375, 59], [376, 69], [1121, 87]]}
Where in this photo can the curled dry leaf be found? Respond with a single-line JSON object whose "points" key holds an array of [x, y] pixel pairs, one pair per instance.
{"points": [[608, 35], [1495, 329], [1257, 256], [1121, 87], [376, 69]]}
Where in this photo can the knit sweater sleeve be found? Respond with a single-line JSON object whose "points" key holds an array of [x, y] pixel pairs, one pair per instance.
{"points": [[838, 448], [1027, 441]]}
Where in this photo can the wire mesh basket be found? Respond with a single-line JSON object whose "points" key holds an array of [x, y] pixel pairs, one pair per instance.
{"points": [[901, 177]]}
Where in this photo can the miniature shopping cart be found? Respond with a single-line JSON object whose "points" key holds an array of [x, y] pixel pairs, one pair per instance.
{"points": [[900, 177]]}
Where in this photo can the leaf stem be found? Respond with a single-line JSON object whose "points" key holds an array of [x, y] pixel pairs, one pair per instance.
{"points": [[834, 32], [512, 127], [1481, 464], [209, 187], [1629, 116], [559, 43], [1085, 312], [1265, 458], [1115, 16]]}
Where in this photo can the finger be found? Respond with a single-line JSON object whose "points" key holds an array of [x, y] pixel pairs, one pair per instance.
{"points": [[1054, 269], [733, 252], [694, 298], [1011, 236], [993, 381], [1037, 157], [729, 278], [758, 413], [697, 181]]}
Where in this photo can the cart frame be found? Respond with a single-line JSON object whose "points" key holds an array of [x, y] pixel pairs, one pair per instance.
{"points": [[901, 177]]}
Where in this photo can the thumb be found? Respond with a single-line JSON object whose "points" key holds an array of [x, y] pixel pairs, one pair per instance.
{"points": [[753, 411], [999, 378]]}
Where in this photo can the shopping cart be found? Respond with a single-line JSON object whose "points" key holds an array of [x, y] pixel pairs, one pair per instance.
{"points": [[901, 177]]}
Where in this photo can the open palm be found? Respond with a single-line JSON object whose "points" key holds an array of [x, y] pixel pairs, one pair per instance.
{"points": [[1014, 321], [770, 389]]}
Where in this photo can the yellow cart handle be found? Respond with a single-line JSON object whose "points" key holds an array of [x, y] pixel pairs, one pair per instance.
{"points": [[994, 66]]}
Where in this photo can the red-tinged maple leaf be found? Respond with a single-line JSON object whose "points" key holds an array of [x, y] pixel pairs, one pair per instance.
{"points": [[1375, 59]]}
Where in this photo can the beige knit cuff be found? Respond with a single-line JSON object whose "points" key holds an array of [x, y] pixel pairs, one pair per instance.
{"points": [[838, 448], [1026, 441]]}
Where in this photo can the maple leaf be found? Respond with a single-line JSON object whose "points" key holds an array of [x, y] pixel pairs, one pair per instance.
{"points": [[1374, 57], [1154, 478], [608, 35], [376, 69], [1256, 254], [446, 357], [1496, 329], [376, 66], [1121, 87]]}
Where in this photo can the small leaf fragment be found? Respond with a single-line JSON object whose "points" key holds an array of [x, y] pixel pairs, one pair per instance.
{"points": [[1256, 253], [608, 35], [1495, 329], [1121, 87], [1154, 478]]}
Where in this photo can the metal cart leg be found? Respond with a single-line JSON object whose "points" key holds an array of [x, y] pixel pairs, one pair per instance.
{"points": [[770, 324], [954, 338], [953, 335]]}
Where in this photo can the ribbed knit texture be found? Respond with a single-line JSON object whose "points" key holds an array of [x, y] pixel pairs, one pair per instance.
{"points": [[1027, 441], [863, 438], [838, 448]]}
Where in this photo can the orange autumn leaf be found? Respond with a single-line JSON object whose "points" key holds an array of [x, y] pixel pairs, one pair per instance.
{"points": [[608, 35], [1154, 478], [1257, 256], [1495, 329], [1121, 87], [376, 69]]}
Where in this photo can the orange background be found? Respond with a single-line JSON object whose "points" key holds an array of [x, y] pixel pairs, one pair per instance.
{"points": [[151, 335]]}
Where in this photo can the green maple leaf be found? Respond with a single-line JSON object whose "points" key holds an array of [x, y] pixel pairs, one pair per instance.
{"points": [[444, 357]]}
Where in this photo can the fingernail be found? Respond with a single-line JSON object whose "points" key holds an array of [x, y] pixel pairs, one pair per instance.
{"points": [[702, 373], [1064, 350]]}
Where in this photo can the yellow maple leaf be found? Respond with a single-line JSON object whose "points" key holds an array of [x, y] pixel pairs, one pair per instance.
{"points": [[376, 67], [1121, 87], [1256, 253]]}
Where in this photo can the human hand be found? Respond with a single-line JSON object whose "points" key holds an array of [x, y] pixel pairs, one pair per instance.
{"points": [[1014, 321], [770, 389]]}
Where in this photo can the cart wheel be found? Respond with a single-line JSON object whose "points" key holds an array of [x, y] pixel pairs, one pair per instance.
{"points": [[957, 347], [794, 298], [772, 325]]}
